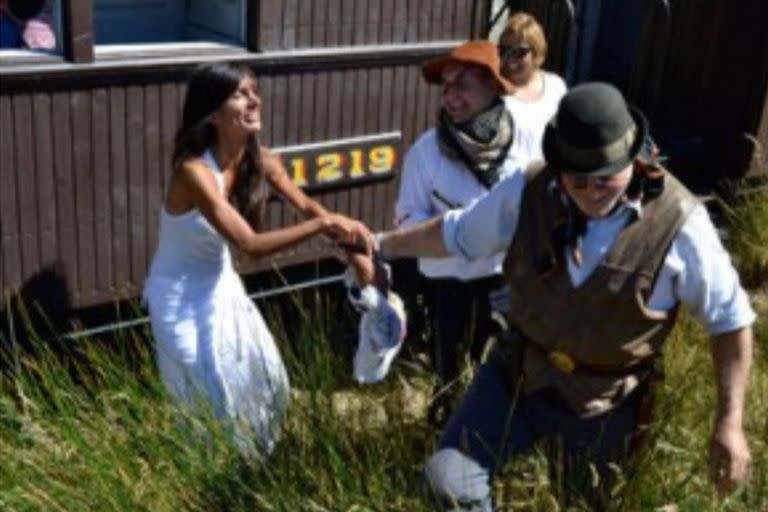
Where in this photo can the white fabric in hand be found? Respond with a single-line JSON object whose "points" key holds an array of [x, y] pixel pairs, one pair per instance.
{"points": [[381, 333]]}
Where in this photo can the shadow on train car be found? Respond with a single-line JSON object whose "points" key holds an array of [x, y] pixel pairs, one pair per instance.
{"points": [[697, 70]]}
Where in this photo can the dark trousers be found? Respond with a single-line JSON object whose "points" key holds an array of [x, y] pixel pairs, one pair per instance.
{"points": [[460, 311], [490, 426]]}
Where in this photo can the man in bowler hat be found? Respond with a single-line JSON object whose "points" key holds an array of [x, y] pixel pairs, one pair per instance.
{"points": [[602, 246]]}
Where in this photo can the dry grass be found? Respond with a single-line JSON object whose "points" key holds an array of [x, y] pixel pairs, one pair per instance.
{"points": [[87, 426], [746, 236]]}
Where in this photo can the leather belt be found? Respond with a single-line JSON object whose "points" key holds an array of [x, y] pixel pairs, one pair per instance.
{"points": [[566, 363]]}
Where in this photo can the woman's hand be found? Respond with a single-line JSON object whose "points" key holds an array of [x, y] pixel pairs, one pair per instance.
{"points": [[349, 233]]}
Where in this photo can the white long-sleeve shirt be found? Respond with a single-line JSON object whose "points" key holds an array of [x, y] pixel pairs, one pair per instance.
{"points": [[432, 184], [696, 271]]}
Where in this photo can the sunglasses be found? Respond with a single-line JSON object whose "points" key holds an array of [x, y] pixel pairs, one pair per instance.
{"points": [[514, 52], [581, 181]]}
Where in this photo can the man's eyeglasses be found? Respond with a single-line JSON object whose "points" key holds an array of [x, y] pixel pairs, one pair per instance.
{"points": [[514, 52], [582, 181]]}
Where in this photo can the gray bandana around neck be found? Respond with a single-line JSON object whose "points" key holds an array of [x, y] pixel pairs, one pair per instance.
{"points": [[480, 143]]}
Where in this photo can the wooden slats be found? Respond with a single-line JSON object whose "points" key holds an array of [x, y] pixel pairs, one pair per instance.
{"points": [[153, 168], [25, 183], [424, 21], [327, 23], [289, 24], [121, 176], [321, 115], [88, 168], [373, 25], [270, 26], [319, 22], [137, 219], [333, 26], [65, 191], [170, 119], [279, 107], [85, 167], [84, 193], [102, 203], [413, 9], [347, 15], [9, 213], [387, 21], [45, 178], [118, 171], [360, 21], [450, 20], [304, 23], [436, 26], [399, 20]]}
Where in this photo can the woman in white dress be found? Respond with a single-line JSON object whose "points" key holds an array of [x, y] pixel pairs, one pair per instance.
{"points": [[523, 49], [213, 347]]}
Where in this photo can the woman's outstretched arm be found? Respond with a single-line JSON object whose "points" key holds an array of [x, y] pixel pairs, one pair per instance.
{"points": [[278, 177], [200, 186]]}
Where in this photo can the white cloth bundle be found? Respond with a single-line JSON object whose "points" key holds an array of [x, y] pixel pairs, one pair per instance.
{"points": [[381, 333]]}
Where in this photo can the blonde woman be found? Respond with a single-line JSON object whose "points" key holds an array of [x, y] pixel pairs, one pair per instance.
{"points": [[523, 49]]}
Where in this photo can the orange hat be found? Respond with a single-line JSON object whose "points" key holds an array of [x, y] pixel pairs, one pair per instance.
{"points": [[477, 52]]}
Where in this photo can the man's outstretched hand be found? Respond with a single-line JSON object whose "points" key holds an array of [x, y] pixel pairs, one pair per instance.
{"points": [[370, 270]]}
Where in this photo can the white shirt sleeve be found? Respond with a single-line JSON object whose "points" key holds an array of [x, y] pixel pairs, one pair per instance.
{"points": [[700, 274], [413, 203], [488, 225]]}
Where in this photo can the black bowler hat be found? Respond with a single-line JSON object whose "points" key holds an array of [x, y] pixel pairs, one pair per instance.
{"points": [[594, 131]]}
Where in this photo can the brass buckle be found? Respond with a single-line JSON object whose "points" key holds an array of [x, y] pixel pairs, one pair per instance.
{"points": [[562, 361]]}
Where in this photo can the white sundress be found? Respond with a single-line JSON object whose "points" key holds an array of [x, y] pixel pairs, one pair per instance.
{"points": [[212, 344]]}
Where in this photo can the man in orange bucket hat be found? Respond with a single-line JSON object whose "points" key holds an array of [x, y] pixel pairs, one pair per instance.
{"points": [[474, 144]]}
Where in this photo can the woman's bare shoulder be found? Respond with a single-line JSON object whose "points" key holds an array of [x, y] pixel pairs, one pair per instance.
{"points": [[267, 154], [271, 162], [195, 173], [193, 166]]}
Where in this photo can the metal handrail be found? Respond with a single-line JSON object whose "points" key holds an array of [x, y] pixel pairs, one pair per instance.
{"points": [[263, 294]]}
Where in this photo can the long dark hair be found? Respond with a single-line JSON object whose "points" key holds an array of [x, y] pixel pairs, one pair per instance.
{"points": [[208, 88]]}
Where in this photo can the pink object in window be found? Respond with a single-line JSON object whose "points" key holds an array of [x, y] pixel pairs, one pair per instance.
{"points": [[38, 34]]}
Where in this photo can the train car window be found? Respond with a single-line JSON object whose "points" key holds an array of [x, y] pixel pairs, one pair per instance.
{"points": [[29, 30], [120, 22]]}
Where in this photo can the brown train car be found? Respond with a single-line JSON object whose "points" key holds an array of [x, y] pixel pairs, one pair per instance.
{"points": [[86, 130]]}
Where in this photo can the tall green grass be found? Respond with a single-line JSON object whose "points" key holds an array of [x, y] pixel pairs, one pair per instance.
{"points": [[85, 425], [746, 225]]}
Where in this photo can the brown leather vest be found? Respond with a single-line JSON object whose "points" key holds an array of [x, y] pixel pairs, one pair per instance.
{"points": [[604, 323]]}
